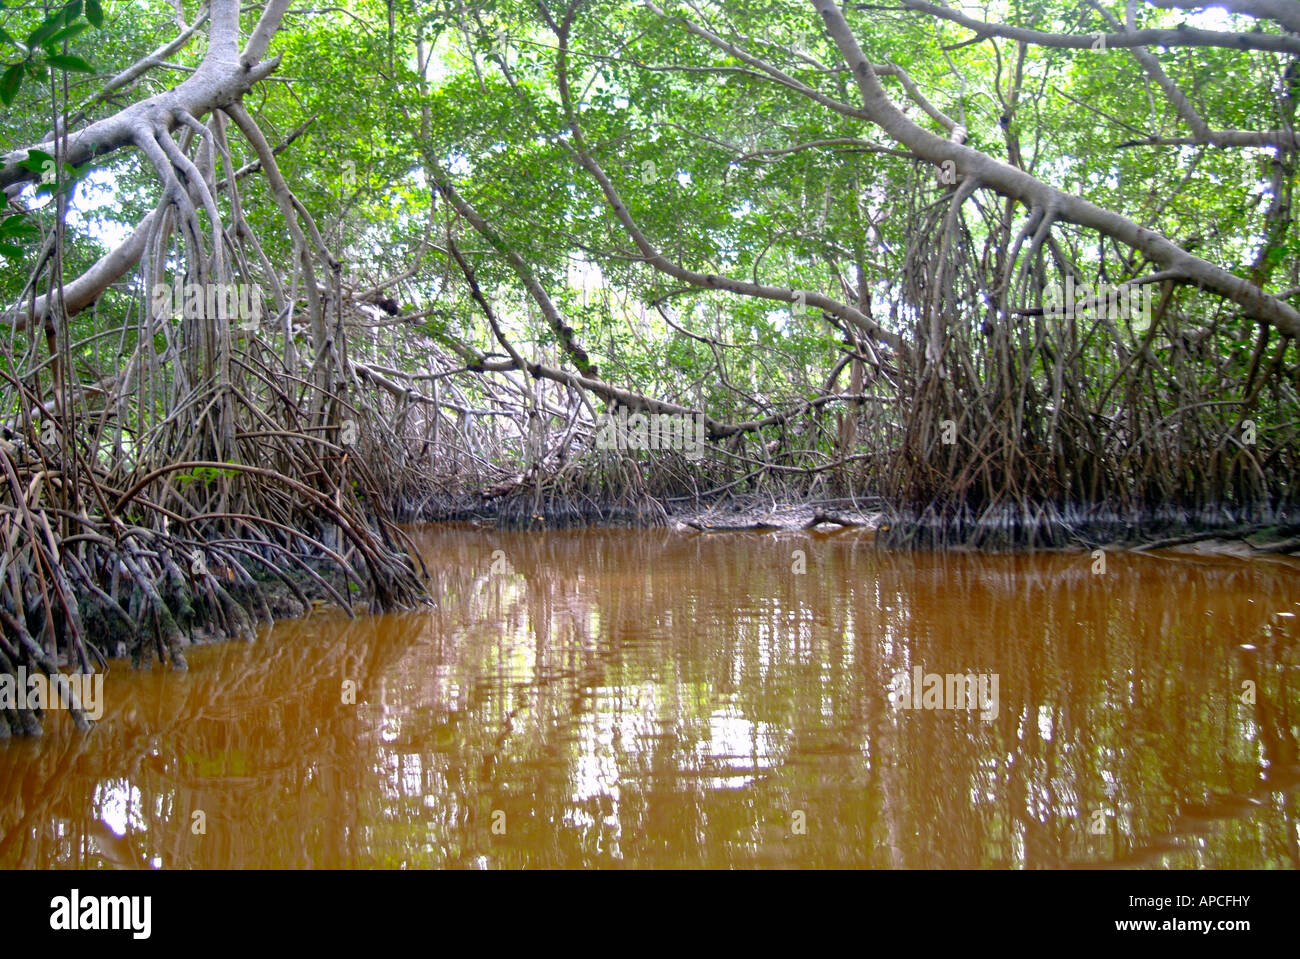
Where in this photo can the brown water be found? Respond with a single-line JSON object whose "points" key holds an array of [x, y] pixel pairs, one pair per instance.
{"points": [[656, 699]]}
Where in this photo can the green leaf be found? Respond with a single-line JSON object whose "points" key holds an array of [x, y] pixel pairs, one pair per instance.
{"points": [[38, 161], [19, 229], [71, 11], [66, 61], [94, 14], [67, 33], [44, 31], [15, 227], [9, 83]]}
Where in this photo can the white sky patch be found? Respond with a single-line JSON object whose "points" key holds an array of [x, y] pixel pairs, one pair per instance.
{"points": [[1213, 18], [1003, 11], [91, 191], [585, 276]]}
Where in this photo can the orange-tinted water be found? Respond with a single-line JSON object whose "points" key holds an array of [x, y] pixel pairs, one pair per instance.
{"points": [[621, 698]]}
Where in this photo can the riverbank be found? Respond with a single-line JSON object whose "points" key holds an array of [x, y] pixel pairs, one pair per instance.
{"points": [[1243, 532]]}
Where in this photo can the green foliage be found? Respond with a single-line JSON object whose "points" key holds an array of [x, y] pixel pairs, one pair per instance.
{"points": [[14, 231], [44, 46], [725, 170]]}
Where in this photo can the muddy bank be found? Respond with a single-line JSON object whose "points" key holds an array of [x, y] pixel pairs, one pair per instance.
{"points": [[165, 620], [1245, 540], [235, 606], [1223, 530]]}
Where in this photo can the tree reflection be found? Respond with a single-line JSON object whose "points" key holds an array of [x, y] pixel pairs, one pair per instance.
{"points": [[655, 699]]}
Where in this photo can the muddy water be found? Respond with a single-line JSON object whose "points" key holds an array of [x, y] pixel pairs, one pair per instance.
{"points": [[659, 699]]}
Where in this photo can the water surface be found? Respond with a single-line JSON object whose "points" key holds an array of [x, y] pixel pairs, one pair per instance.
{"points": [[659, 699]]}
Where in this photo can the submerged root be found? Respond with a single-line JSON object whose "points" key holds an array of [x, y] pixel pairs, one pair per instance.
{"points": [[1020, 526], [100, 564]]}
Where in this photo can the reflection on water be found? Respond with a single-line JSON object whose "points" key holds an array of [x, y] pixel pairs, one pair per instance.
{"points": [[625, 698]]}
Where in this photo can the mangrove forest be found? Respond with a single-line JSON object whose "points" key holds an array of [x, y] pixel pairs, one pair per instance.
{"points": [[652, 433]]}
